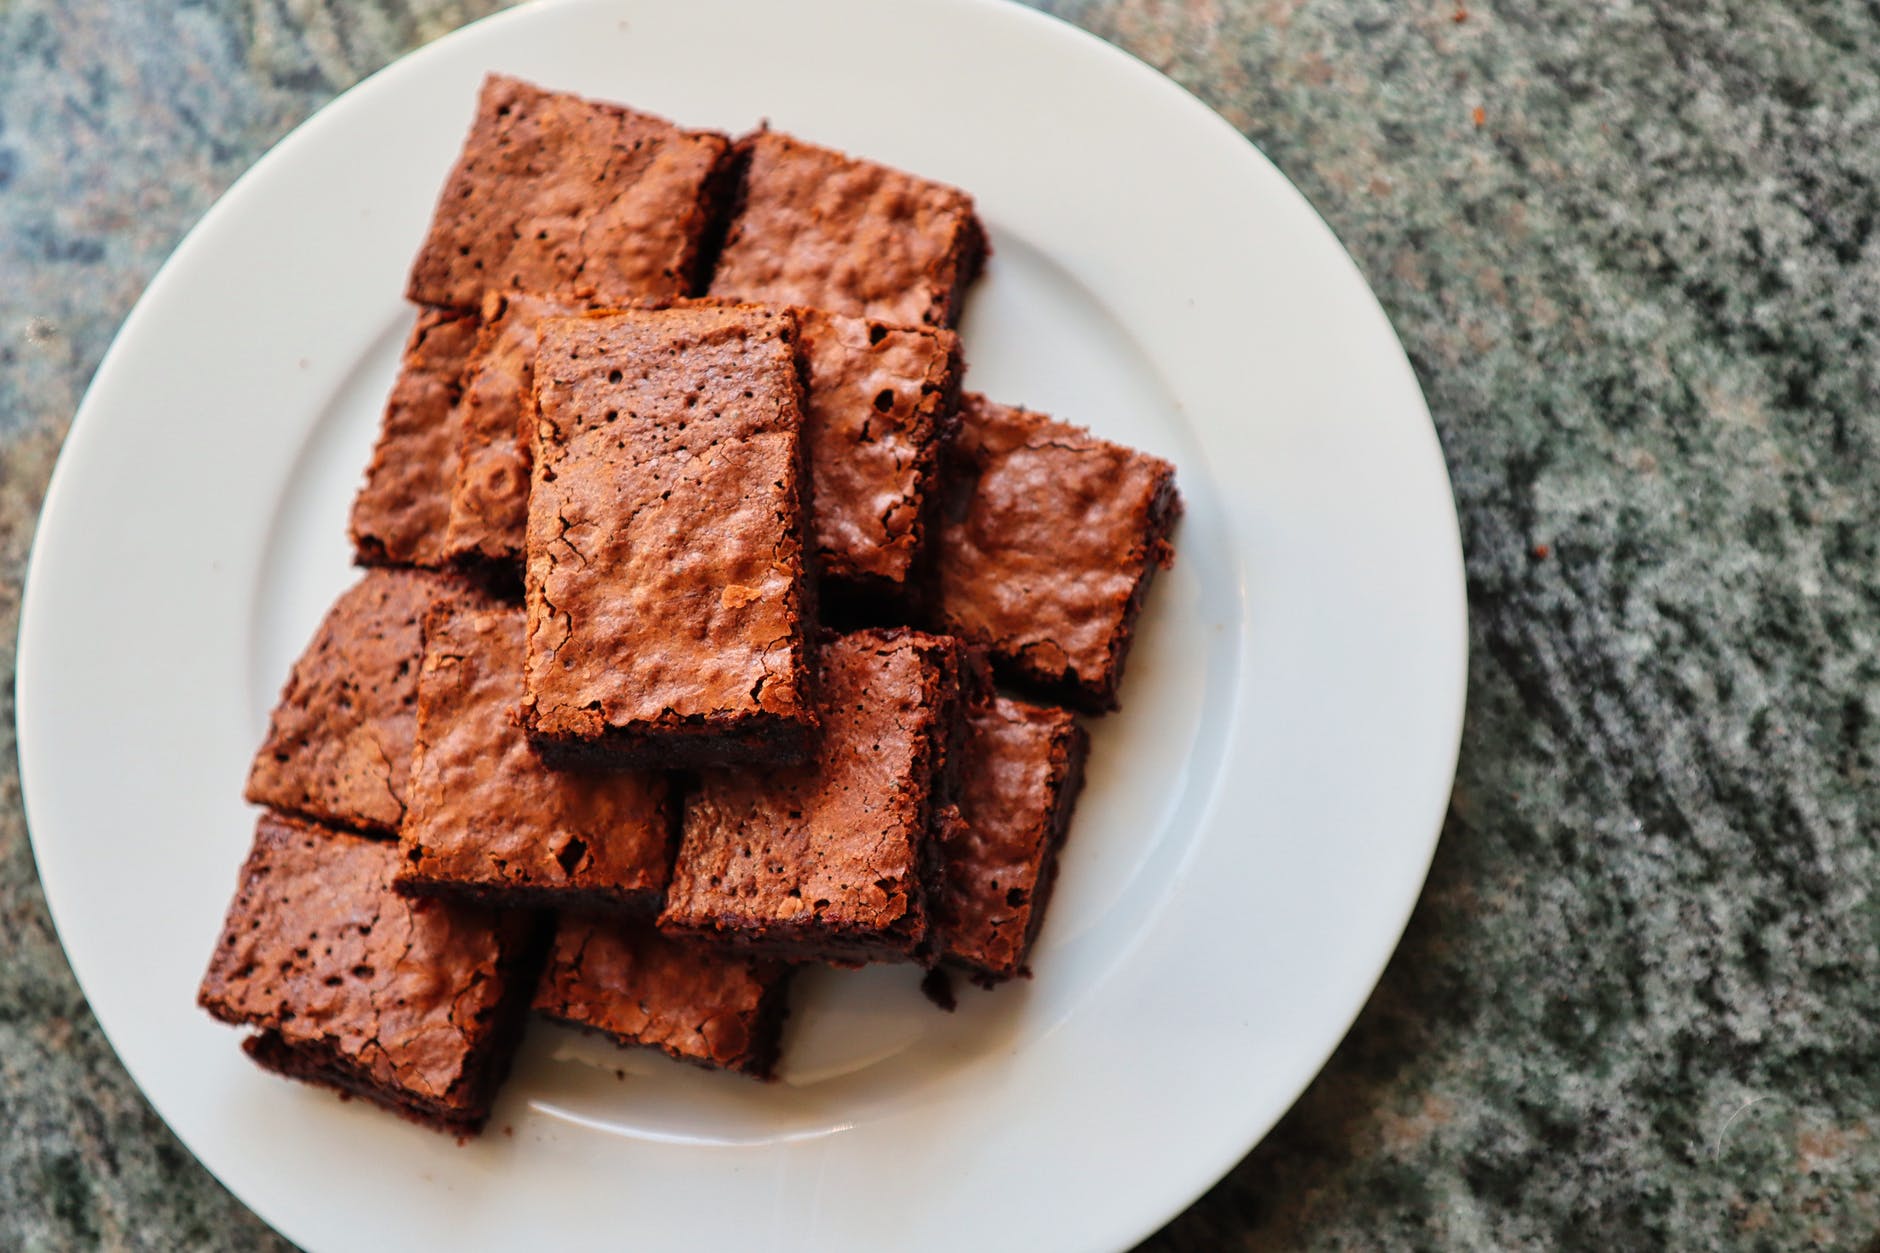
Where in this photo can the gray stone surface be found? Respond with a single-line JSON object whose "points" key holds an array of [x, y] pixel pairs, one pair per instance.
{"points": [[1631, 250]]}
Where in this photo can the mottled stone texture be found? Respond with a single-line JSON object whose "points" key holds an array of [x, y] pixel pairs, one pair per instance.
{"points": [[1630, 248]]}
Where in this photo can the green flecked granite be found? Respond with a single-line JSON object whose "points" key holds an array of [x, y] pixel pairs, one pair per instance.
{"points": [[1631, 250]]}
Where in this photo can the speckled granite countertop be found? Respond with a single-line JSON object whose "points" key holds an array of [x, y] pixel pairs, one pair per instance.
{"points": [[1631, 249]]}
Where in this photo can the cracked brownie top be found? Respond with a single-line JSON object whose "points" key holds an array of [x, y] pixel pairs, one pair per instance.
{"points": [[665, 567]]}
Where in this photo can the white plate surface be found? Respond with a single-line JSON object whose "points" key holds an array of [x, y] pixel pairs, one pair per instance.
{"points": [[1259, 818]]}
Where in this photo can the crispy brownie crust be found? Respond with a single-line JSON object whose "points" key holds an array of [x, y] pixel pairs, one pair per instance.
{"points": [[489, 492], [813, 226], [882, 400], [1019, 776], [668, 594], [829, 860], [339, 743], [695, 1002], [570, 198], [1047, 543], [488, 820], [413, 1004], [398, 518]]}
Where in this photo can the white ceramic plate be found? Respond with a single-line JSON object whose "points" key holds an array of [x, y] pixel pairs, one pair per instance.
{"points": [[1259, 818]]}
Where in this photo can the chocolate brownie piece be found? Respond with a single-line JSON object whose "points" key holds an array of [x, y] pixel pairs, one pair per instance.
{"points": [[399, 515], [696, 1002], [339, 743], [486, 820], [882, 400], [416, 1005], [830, 860], [667, 588], [571, 198], [1046, 548], [812, 226], [489, 495], [1020, 773]]}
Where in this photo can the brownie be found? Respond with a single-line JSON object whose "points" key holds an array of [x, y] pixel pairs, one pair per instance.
{"points": [[1020, 773], [487, 821], [489, 492], [830, 860], [571, 198], [668, 594], [339, 744], [1048, 540], [882, 400], [812, 226], [399, 515], [696, 1002], [417, 1005]]}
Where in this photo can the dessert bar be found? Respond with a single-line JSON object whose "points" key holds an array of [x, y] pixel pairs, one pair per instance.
{"points": [[1019, 774], [668, 595], [696, 1002], [830, 860], [881, 406], [571, 198], [487, 820], [416, 1005], [813, 226], [1048, 540]]}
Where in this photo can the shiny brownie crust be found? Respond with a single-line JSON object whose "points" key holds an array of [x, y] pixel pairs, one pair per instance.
{"points": [[1047, 544], [338, 748], [488, 820], [831, 860], [1020, 773], [668, 590], [415, 1005], [697, 1003], [816, 227], [571, 198]]}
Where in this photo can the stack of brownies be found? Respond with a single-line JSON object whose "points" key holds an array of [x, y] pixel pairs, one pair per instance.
{"points": [[690, 575]]}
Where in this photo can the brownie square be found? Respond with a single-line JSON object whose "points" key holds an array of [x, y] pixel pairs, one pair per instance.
{"points": [[667, 588], [1020, 772], [489, 493], [486, 820], [882, 403], [339, 743], [416, 1005], [1047, 544], [695, 1002], [571, 198], [830, 860], [812, 226], [399, 515]]}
